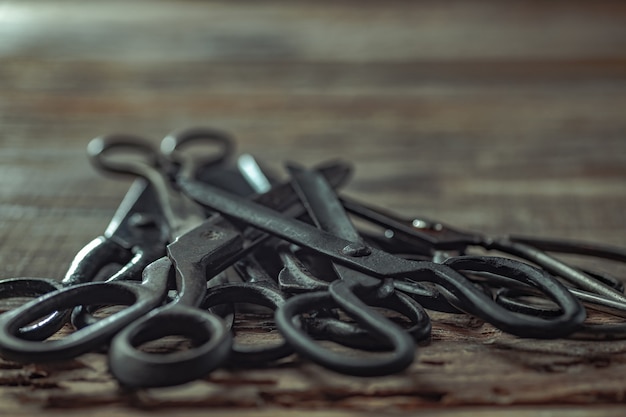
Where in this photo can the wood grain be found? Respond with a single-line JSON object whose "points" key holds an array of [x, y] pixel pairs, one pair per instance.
{"points": [[496, 117]]}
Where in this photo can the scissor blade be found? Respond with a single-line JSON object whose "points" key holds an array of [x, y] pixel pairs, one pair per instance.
{"points": [[377, 263], [215, 243], [282, 196], [139, 206], [322, 203], [325, 209]]}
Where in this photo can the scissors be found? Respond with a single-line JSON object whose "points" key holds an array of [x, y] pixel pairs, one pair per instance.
{"points": [[297, 277], [202, 252], [135, 236], [199, 241], [151, 214], [523, 299], [377, 263], [433, 237], [260, 288]]}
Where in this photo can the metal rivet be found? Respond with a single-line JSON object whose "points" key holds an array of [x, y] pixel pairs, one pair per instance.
{"points": [[356, 249]]}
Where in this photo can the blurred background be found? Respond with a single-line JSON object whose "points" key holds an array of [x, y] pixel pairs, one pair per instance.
{"points": [[497, 116]]}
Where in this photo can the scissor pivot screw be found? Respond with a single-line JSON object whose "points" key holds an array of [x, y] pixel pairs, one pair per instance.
{"points": [[356, 250], [212, 235]]}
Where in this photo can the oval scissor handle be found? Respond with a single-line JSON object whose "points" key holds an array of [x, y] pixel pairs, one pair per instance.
{"points": [[469, 299], [510, 298], [172, 147], [402, 346], [138, 369], [253, 293], [82, 316], [35, 287], [102, 152], [140, 298], [356, 337], [556, 266], [94, 256]]}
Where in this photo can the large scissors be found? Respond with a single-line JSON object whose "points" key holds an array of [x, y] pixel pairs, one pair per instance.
{"points": [[434, 238], [200, 253], [194, 251], [137, 233], [377, 263], [262, 289], [151, 214]]}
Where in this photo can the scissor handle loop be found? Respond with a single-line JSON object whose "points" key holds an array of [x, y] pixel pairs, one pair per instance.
{"points": [[556, 267], [104, 151], [138, 369], [94, 256], [510, 298], [172, 147], [395, 361], [477, 303], [140, 298], [35, 287], [253, 293], [142, 257], [357, 337]]}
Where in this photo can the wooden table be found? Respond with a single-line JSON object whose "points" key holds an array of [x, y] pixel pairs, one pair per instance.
{"points": [[497, 117]]}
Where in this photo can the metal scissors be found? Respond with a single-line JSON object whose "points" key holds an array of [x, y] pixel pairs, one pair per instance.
{"points": [[151, 214], [433, 237], [354, 255], [136, 235], [523, 299], [260, 288], [200, 253]]}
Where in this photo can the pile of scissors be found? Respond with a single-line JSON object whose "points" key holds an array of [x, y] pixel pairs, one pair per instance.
{"points": [[202, 230]]}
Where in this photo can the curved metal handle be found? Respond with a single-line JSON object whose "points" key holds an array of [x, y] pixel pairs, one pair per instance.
{"points": [[180, 213], [556, 267], [111, 153], [82, 315], [253, 293], [141, 298], [172, 146], [510, 299], [90, 260], [348, 334], [35, 287], [477, 303], [400, 357], [135, 368]]}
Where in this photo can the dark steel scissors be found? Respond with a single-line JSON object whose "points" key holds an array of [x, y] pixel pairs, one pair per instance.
{"points": [[200, 253], [151, 214], [136, 235], [520, 298], [376, 263], [434, 238]]}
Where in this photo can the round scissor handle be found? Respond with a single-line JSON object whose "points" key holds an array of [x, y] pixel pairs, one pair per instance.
{"points": [[402, 347], [471, 300], [253, 293], [124, 154], [35, 287], [140, 298], [138, 369], [221, 148]]}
